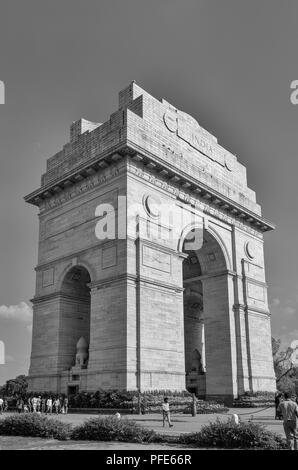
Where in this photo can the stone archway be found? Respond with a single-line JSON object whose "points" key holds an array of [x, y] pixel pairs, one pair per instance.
{"points": [[208, 330], [195, 368], [74, 314]]}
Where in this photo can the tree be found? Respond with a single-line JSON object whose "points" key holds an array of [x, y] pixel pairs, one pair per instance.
{"points": [[17, 386], [285, 370]]}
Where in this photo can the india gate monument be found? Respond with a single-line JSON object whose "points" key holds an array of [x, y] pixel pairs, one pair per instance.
{"points": [[150, 271]]}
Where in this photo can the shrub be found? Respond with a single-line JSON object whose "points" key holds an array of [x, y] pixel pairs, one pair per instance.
{"points": [[34, 425], [255, 400], [112, 429], [262, 395], [230, 436], [206, 407], [151, 401]]}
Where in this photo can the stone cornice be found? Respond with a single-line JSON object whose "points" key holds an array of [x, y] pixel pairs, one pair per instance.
{"points": [[165, 170], [203, 277], [157, 246], [96, 285], [54, 295], [194, 190], [79, 173], [250, 309]]}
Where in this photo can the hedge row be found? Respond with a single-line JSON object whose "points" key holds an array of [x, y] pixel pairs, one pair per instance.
{"points": [[151, 401], [113, 398]]}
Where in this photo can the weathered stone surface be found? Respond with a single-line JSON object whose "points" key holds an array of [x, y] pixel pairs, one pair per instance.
{"points": [[151, 320]]}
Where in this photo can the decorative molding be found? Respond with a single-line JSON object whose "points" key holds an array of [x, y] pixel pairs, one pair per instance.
{"points": [[250, 249], [134, 279], [81, 187], [150, 202], [187, 180], [187, 197], [250, 309], [79, 254], [203, 277], [46, 227], [55, 295]]}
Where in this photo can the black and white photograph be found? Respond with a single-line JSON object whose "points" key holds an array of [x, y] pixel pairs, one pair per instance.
{"points": [[148, 228]]}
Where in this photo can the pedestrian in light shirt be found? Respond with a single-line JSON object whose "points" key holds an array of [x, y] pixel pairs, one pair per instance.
{"points": [[49, 405], [289, 410], [166, 413]]}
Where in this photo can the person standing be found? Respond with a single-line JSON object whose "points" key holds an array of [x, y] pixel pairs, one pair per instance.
{"points": [[20, 405], [65, 405], [34, 404], [43, 404], [49, 405], [29, 404], [166, 416], [277, 400], [57, 405], [289, 410], [38, 406]]}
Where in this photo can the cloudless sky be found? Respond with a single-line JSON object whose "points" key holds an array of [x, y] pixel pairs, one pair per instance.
{"points": [[228, 63]]}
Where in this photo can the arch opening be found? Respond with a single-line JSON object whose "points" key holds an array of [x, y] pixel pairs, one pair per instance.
{"points": [[199, 268], [75, 317]]}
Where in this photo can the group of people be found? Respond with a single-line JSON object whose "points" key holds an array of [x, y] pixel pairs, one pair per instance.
{"points": [[38, 404]]}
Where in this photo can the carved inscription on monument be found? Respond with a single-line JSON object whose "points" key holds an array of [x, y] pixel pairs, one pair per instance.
{"points": [[194, 136], [156, 259]]}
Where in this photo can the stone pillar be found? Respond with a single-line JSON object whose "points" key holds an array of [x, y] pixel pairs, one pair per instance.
{"points": [[43, 373], [258, 333], [107, 350], [220, 346], [159, 317]]}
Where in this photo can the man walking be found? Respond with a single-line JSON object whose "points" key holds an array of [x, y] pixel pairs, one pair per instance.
{"points": [[289, 410], [166, 413]]}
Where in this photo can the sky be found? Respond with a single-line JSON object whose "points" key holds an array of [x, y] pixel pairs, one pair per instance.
{"points": [[228, 63]]}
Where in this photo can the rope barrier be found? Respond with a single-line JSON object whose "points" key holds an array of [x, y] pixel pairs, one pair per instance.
{"points": [[242, 414], [250, 413]]}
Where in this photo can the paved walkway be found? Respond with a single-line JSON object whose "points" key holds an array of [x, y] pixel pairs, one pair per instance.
{"points": [[186, 423], [35, 443]]}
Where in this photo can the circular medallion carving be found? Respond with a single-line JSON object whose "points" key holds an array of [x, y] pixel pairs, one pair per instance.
{"points": [[229, 163], [152, 205], [249, 249], [170, 120]]}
